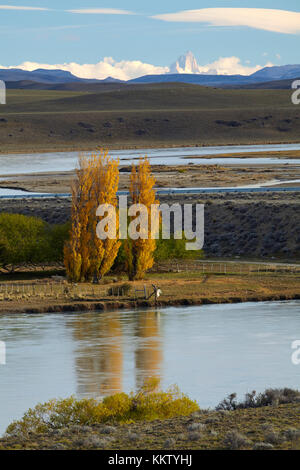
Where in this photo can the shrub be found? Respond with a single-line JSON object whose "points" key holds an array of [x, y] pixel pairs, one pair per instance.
{"points": [[147, 405], [108, 430], [119, 265], [263, 446], [270, 397], [194, 436], [29, 240], [123, 290], [3, 254], [169, 443], [165, 250], [280, 396], [196, 427], [175, 249], [292, 434], [228, 404], [22, 239], [133, 437], [273, 438], [58, 235], [94, 442], [212, 420], [235, 441]]}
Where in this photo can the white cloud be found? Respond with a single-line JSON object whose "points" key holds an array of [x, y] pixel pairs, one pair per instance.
{"points": [[83, 11], [108, 67], [100, 11], [129, 69], [230, 66], [12, 7], [280, 21]]}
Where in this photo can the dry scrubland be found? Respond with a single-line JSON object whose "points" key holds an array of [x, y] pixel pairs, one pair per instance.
{"points": [[252, 225], [264, 428], [146, 115], [259, 429]]}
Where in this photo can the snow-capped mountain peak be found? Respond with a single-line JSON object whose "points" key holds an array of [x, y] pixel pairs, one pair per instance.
{"points": [[186, 63]]}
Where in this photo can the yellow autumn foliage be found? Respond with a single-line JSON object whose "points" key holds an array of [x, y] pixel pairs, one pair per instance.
{"points": [[140, 252], [96, 183], [147, 404]]}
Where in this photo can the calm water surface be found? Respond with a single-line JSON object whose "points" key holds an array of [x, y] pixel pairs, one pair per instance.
{"points": [[209, 351]]}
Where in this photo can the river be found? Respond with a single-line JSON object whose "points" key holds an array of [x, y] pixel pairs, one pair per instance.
{"points": [[12, 164], [208, 351]]}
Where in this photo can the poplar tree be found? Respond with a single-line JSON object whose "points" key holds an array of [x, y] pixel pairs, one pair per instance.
{"points": [[96, 183], [140, 252]]}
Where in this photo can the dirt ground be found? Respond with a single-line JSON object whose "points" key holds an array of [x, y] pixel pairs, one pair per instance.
{"points": [[168, 176]]}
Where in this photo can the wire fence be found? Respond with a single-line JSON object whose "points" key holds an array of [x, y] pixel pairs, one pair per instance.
{"points": [[58, 288], [62, 290], [50, 290], [185, 266]]}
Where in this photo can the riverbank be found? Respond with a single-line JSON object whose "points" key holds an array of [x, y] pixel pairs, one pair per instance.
{"points": [[266, 428], [178, 289], [35, 148], [174, 176]]}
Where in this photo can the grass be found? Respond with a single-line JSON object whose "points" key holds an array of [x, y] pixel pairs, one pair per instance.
{"points": [[140, 97], [24, 97], [146, 115], [183, 288], [228, 287], [153, 420]]}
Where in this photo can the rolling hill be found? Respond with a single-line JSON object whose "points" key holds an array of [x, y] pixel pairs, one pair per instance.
{"points": [[141, 115]]}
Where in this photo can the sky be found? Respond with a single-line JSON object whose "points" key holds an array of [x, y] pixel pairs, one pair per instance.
{"points": [[130, 38]]}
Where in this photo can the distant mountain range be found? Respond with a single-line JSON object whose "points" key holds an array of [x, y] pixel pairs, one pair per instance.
{"points": [[277, 73], [39, 75], [233, 81], [184, 70], [187, 70]]}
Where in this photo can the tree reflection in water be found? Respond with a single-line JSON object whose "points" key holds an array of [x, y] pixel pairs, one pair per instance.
{"points": [[101, 342]]}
